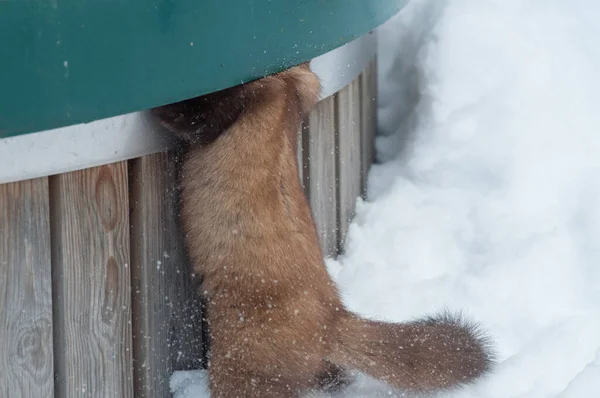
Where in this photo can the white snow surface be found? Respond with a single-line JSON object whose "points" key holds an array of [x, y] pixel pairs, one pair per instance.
{"points": [[487, 198]]}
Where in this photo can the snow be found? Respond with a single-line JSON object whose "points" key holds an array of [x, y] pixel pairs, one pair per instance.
{"points": [[487, 198]]}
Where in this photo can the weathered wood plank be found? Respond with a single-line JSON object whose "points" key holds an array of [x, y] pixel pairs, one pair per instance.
{"points": [[166, 308], [91, 282], [349, 167], [321, 157], [26, 357], [368, 82]]}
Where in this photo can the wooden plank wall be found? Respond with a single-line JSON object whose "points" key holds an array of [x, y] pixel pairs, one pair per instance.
{"points": [[167, 322], [91, 282], [337, 150], [98, 298], [349, 156], [26, 354], [319, 152]]}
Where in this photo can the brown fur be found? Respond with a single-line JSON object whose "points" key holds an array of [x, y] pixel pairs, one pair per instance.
{"points": [[277, 323]]}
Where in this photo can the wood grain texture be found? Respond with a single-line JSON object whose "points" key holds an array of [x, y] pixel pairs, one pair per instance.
{"points": [[368, 84], [26, 355], [321, 156], [167, 326], [349, 149], [91, 283]]}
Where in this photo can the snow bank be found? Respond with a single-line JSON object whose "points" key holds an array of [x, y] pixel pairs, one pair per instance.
{"points": [[488, 196]]}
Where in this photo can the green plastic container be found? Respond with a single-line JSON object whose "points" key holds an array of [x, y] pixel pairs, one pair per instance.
{"points": [[74, 61]]}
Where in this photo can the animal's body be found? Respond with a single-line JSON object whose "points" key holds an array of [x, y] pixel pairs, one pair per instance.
{"points": [[277, 324]]}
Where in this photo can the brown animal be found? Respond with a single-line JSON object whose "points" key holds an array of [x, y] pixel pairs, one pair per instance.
{"points": [[277, 324]]}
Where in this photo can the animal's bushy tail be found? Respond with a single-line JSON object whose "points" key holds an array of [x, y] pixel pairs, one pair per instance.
{"points": [[432, 354]]}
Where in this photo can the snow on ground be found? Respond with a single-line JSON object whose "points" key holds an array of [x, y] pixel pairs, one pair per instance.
{"points": [[488, 195]]}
